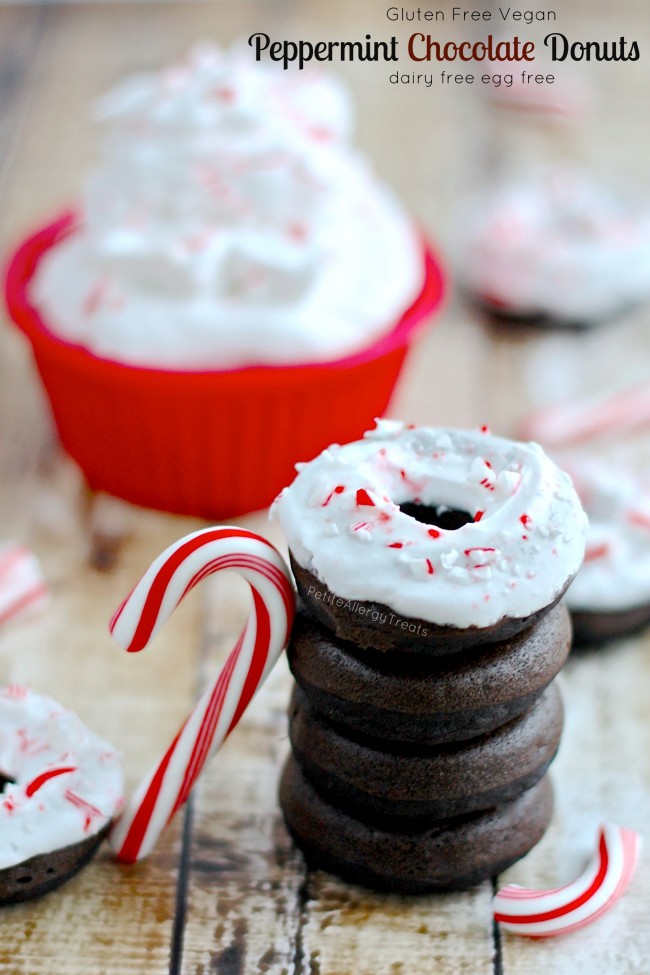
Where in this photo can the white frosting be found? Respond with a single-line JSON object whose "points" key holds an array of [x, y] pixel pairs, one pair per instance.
{"points": [[230, 223], [38, 736], [615, 574], [512, 562], [557, 245]]}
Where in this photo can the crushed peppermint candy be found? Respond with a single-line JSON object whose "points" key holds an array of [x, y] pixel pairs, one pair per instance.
{"points": [[423, 570]]}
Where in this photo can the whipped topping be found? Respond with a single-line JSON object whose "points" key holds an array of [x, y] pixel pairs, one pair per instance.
{"points": [[615, 574], [526, 539], [230, 223], [66, 783], [557, 245]]}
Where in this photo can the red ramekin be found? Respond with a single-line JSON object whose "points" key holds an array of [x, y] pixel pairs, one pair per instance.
{"points": [[213, 444]]}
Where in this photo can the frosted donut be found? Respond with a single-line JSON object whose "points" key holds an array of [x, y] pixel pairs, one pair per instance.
{"points": [[62, 786], [554, 249], [610, 597], [431, 540]]}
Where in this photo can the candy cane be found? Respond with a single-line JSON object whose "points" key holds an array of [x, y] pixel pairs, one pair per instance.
{"points": [[574, 423], [546, 913], [139, 618]]}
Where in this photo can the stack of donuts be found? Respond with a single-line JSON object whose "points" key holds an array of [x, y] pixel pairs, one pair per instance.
{"points": [[431, 564]]}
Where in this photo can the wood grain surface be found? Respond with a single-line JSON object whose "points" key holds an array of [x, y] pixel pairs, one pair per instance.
{"points": [[225, 892]]}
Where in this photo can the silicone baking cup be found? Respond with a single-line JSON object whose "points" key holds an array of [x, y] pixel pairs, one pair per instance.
{"points": [[213, 444]]}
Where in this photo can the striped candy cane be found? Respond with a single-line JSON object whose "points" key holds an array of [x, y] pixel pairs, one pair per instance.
{"points": [[142, 614], [546, 913]]}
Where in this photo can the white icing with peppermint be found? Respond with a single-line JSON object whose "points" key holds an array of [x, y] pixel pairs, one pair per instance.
{"points": [[556, 244], [342, 520], [230, 223], [615, 574], [40, 810]]}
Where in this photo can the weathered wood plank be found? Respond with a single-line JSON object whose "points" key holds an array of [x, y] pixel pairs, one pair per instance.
{"points": [[109, 919], [601, 775], [243, 908], [350, 931], [244, 877]]}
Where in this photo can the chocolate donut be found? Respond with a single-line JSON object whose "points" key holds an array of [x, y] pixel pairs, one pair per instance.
{"points": [[500, 316], [410, 784], [40, 874], [431, 541], [449, 855], [591, 629], [61, 787], [408, 698], [520, 237], [377, 626]]}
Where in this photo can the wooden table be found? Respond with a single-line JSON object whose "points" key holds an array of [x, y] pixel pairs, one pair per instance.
{"points": [[225, 892]]}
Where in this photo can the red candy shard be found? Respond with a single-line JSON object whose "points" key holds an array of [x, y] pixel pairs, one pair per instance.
{"points": [[478, 515], [94, 298], [363, 498], [639, 518], [321, 133], [433, 532], [485, 428], [396, 545], [525, 520], [90, 812], [430, 568], [596, 552], [339, 489], [44, 777], [297, 231]]}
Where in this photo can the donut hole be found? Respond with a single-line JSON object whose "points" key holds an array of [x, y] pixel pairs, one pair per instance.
{"points": [[438, 515]]}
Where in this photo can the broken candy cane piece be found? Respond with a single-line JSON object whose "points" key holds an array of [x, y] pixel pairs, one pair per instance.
{"points": [[22, 588], [169, 579], [575, 423], [546, 913]]}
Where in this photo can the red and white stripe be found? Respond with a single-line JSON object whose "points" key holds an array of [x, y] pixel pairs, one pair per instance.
{"points": [[574, 423], [546, 913], [22, 588], [264, 637]]}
